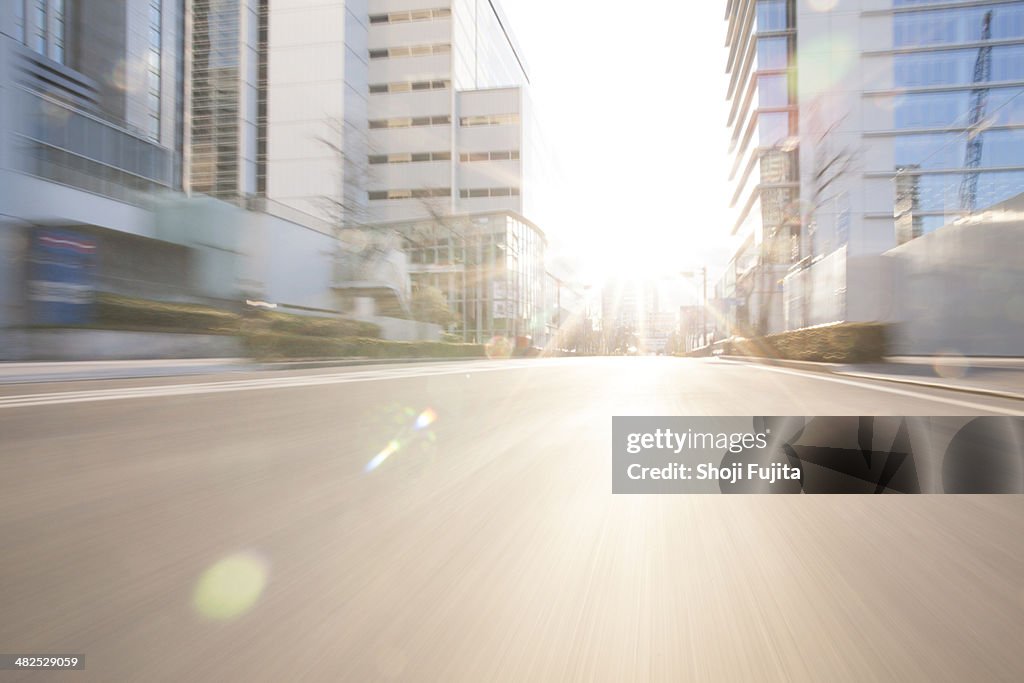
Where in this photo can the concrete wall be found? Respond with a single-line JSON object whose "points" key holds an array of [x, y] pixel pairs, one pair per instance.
{"points": [[961, 288], [395, 329], [40, 345]]}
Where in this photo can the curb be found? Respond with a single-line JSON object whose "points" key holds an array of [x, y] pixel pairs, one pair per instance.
{"points": [[845, 371], [810, 366], [345, 362]]}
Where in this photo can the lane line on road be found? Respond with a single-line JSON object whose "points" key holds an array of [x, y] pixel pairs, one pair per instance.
{"points": [[59, 398], [888, 390]]}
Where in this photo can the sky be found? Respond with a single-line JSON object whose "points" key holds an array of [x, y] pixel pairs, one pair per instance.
{"points": [[632, 106]]}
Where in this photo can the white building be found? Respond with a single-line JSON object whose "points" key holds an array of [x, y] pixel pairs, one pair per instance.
{"points": [[449, 115], [855, 130]]}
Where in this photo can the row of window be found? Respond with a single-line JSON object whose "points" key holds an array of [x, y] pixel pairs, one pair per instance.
{"points": [[41, 28], [424, 193], [948, 150], [408, 86], [943, 109], [954, 67], [465, 121], [941, 192], [411, 51], [434, 192], [71, 169], [409, 157], [512, 155], [413, 157], [489, 192], [153, 70], [409, 122], [957, 25], [489, 120], [411, 15]]}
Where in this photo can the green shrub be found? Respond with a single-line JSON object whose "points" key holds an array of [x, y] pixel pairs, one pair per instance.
{"points": [[122, 312], [286, 323], [835, 343], [270, 345]]}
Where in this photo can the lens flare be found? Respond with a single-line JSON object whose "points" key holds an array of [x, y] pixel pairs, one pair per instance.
{"points": [[231, 587], [425, 419], [378, 459], [498, 347]]}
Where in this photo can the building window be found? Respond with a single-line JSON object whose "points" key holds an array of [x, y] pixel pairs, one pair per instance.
{"points": [[489, 120], [408, 86], [38, 43], [956, 67], [411, 51], [468, 157], [411, 122], [489, 192], [957, 25], [405, 158], [771, 15], [412, 15], [772, 128], [154, 71], [772, 53], [773, 90], [19, 21], [423, 193]]}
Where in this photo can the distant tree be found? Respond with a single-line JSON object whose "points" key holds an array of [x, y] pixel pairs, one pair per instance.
{"points": [[429, 305]]}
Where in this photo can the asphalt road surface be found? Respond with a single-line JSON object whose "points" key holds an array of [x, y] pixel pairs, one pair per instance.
{"points": [[455, 522]]}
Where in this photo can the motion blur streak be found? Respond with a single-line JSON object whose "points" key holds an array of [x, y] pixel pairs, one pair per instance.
{"points": [[502, 557]]}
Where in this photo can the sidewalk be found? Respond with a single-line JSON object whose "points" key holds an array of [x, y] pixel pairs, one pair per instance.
{"points": [[69, 371], [73, 371], [1003, 377]]}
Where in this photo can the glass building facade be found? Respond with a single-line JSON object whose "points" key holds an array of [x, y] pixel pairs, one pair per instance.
{"points": [[489, 266], [225, 97], [79, 116], [763, 117], [958, 108]]}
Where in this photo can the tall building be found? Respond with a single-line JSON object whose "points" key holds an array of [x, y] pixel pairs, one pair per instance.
{"points": [[900, 116], [450, 153], [92, 98], [449, 114], [765, 141], [279, 95]]}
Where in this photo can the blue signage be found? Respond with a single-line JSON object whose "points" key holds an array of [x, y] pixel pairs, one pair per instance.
{"points": [[61, 277]]}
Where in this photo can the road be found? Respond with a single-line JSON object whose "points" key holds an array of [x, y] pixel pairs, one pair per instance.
{"points": [[297, 525]]}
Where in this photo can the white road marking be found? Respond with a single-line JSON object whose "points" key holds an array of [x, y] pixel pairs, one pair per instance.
{"points": [[874, 386], [458, 368]]}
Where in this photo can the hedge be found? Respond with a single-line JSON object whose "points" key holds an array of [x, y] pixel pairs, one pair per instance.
{"points": [[122, 312], [270, 345], [834, 343], [286, 323]]}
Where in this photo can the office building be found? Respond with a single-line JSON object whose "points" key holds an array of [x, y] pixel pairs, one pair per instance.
{"points": [[92, 98], [279, 95], [449, 115], [764, 143], [900, 116], [489, 266]]}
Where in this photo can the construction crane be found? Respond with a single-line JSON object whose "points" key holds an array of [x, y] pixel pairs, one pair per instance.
{"points": [[979, 102]]}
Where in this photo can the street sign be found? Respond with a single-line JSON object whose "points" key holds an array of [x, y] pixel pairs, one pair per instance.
{"points": [[61, 277]]}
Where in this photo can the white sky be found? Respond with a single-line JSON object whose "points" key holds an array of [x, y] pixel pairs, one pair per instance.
{"points": [[631, 100]]}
